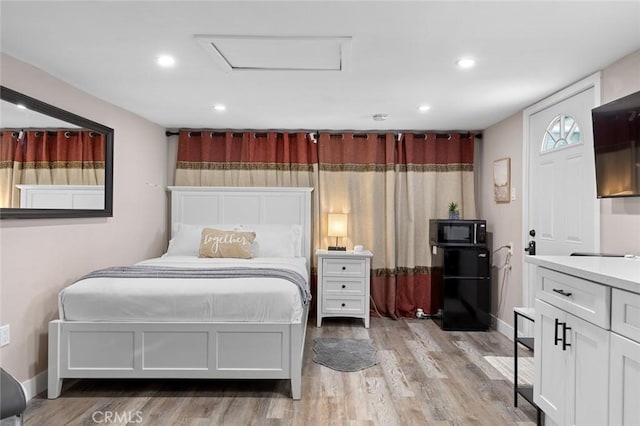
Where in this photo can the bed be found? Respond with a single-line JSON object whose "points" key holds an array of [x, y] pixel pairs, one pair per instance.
{"points": [[171, 326]]}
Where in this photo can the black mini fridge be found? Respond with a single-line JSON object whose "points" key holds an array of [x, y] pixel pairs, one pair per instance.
{"points": [[466, 289]]}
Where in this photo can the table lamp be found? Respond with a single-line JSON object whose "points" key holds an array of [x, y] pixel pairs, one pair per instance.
{"points": [[337, 228]]}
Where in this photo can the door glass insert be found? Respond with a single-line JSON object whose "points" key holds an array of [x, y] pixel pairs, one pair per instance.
{"points": [[562, 131]]}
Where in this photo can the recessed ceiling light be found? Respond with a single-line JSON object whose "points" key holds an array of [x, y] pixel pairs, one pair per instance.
{"points": [[424, 108], [466, 63], [219, 107], [166, 60]]}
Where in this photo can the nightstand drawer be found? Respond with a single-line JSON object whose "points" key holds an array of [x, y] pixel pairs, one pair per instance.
{"points": [[348, 306], [343, 267], [343, 286]]}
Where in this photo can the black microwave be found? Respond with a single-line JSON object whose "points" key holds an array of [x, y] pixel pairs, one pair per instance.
{"points": [[453, 233]]}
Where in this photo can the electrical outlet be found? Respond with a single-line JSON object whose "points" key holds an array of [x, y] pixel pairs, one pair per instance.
{"points": [[4, 335], [510, 248]]}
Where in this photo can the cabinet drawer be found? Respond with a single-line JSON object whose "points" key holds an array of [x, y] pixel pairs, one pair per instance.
{"points": [[625, 314], [343, 267], [585, 299], [348, 306], [343, 286]]}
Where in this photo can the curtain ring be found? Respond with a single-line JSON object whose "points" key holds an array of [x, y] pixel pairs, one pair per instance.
{"points": [[189, 134], [449, 136], [92, 134], [210, 135]]}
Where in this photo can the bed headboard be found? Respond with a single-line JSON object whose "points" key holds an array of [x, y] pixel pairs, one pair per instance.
{"points": [[211, 205]]}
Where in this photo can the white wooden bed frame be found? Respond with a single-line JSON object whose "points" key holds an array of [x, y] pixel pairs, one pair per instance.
{"points": [[204, 350]]}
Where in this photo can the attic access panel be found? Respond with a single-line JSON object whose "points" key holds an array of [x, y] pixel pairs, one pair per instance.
{"points": [[278, 53]]}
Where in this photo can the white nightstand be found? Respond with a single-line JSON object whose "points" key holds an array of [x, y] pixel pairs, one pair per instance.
{"points": [[343, 284]]}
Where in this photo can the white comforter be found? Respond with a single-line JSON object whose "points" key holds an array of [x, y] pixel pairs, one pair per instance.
{"points": [[184, 300]]}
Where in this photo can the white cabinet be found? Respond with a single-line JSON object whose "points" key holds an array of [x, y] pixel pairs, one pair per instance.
{"points": [[571, 356], [624, 380], [343, 284], [587, 357], [570, 387]]}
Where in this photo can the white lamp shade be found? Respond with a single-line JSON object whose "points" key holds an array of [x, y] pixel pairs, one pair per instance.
{"points": [[337, 225]]}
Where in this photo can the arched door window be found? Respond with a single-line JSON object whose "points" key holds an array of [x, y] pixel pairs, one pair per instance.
{"points": [[561, 132]]}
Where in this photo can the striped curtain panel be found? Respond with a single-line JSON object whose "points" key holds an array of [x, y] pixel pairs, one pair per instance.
{"points": [[390, 187], [49, 157], [431, 171], [214, 158], [357, 177]]}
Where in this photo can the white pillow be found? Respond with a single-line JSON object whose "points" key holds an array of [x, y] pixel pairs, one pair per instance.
{"points": [[275, 240], [186, 238]]}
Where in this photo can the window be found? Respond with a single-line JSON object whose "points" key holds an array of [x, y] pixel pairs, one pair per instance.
{"points": [[561, 132]]}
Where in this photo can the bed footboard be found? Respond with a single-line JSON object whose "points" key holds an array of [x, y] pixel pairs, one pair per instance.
{"points": [[175, 350]]}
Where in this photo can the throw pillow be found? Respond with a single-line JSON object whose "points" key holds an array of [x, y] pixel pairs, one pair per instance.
{"points": [[219, 243]]}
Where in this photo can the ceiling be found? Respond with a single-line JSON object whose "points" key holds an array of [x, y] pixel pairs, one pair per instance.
{"points": [[320, 65]]}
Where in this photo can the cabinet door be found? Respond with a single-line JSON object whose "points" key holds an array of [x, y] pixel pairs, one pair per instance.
{"points": [[587, 385], [624, 409], [550, 360]]}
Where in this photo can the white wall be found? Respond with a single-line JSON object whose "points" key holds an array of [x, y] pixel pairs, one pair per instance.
{"points": [[620, 218], [38, 257], [504, 220]]}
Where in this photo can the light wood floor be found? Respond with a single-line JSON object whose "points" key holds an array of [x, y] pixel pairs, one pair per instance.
{"points": [[424, 376]]}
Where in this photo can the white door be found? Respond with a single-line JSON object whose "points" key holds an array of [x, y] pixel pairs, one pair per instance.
{"points": [[562, 213]]}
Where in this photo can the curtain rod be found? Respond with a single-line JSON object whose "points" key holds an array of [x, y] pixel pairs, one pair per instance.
{"points": [[438, 134]]}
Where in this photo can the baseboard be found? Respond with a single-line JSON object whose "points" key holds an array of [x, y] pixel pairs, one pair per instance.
{"points": [[502, 327], [35, 385]]}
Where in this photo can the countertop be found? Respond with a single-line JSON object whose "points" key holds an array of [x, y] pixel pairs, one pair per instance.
{"points": [[617, 272]]}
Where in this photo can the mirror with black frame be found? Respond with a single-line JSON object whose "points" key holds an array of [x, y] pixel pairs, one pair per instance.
{"points": [[53, 163]]}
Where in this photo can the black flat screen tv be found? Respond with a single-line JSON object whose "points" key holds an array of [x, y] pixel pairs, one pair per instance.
{"points": [[616, 142]]}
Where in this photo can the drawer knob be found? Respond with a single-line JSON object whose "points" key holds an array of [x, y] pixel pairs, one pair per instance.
{"points": [[344, 286], [344, 304], [344, 268]]}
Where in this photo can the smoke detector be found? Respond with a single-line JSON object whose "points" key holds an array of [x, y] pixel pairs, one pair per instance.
{"points": [[380, 117]]}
